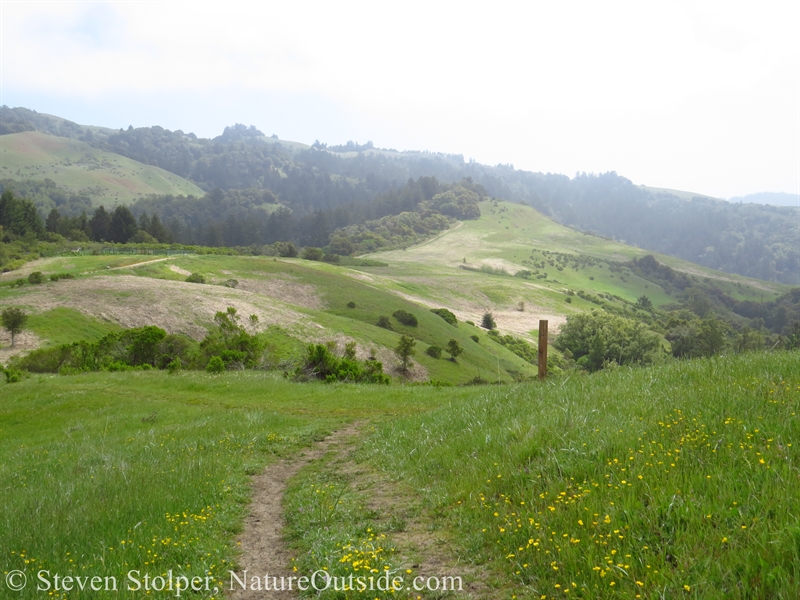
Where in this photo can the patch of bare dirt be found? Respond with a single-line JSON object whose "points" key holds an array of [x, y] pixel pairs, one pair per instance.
{"points": [[516, 322], [24, 342], [261, 542], [285, 290], [179, 270], [176, 306]]}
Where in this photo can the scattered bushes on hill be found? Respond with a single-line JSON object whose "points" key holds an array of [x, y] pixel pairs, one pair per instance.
{"points": [[446, 315], [518, 346], [488, 321], [351, 304], [383, 321], [406, 318], [196, 278], [36, 277]]}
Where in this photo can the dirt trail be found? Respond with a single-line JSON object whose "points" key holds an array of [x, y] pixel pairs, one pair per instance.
{"points": [[263, 549], [425, 551]]}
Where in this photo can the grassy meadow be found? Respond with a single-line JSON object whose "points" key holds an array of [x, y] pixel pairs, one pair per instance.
{"points": [[82, 169], [672, 481]]}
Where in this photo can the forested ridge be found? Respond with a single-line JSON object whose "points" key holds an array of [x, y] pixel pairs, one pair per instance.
{"points": [[327, 182]]}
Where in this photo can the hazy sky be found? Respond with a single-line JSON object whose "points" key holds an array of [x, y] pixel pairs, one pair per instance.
{"points": [[700, 96]]}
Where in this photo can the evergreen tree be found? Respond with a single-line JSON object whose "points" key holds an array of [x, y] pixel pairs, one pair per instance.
{"points": [[52, 221], [123, 225], [100, 224]]}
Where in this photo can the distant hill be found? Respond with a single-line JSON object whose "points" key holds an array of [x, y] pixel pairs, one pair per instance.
{"points": [[78, 168], [747, 239], [772, 198]]}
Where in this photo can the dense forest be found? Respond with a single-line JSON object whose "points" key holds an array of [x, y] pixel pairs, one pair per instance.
{"points": [[748, 239]]}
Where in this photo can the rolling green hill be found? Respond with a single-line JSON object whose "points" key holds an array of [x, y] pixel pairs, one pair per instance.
{"points": [[513, 262], [79, 168]]}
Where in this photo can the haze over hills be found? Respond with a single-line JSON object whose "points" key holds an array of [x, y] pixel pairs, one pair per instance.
{"points": [[772, 198], [342, 182]]}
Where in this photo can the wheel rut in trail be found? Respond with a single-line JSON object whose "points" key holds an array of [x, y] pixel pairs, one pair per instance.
{"points": [[263, 548]]}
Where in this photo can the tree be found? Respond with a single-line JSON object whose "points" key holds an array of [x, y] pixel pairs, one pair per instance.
{"points": [[405, 350], [14, 320], [598, 337], [454, 349], [488, 321], [644, 302], [99, 224], [123, 225], [52, 221]]}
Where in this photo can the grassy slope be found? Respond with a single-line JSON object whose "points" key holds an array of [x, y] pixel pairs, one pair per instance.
{"points": [[106, 177], [508, 234], [326, 289]]}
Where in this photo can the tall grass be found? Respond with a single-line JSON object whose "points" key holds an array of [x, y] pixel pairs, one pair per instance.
{"points": [[106, 472], [676, 481]]}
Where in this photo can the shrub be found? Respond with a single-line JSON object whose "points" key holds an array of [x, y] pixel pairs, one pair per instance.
{"points": [[351, 304], [215, 365], [568, 300], [321, 363], [434, 351], [174, 366], [18, 283], [475, 339], [36, 277], [446, 315], [231, 283], [331, 258], [59, 276], [518, 346], [285, 249], [384, 322], [406, 318], [196, 278], [12, 375], [488, 321], [311, 253]]}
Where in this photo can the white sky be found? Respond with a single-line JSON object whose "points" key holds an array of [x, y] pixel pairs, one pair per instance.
{"points": [[700, 96]]}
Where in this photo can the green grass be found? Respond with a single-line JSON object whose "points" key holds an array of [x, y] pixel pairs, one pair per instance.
{"points": [[106, 177], [103, 473], [676, 481], [515, 235], [650, 478], [65, 325]]}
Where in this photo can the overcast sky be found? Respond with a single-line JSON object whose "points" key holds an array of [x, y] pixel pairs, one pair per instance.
{"points": [[699, 96]]}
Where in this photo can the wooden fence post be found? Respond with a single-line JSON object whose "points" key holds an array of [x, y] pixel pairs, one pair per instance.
{"points": [[542, 349]]}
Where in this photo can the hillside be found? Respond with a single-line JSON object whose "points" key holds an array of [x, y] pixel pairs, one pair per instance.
{"points": [[513, 262], [747, 239], [80, 169]]}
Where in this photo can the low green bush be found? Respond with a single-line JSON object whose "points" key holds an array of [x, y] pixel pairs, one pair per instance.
{"points": [[406, 318]]}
